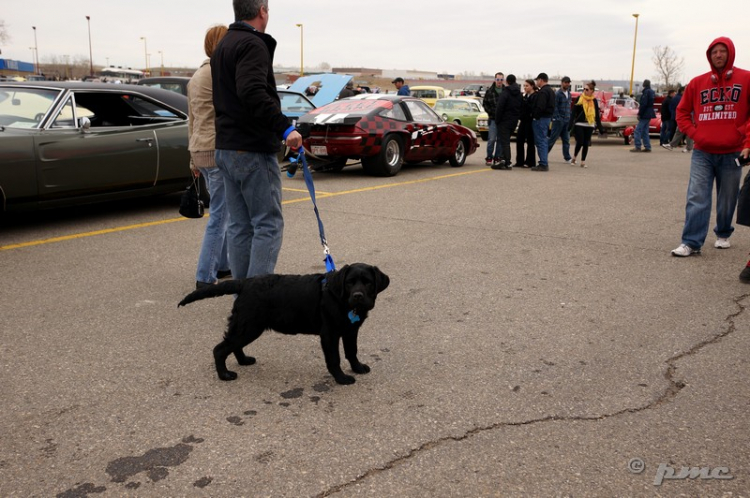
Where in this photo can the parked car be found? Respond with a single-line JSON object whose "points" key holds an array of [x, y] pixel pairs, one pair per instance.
{"points": [[429, 94], [474, 89], [172, 83], [323, 88], [617, 113], [383, 131], [464, 111], [66, 143], [293, 105]]}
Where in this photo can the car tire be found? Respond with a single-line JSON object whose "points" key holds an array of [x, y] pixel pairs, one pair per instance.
{"points": [[485, 135], [389, 160], [459, 155], [457, 121]]}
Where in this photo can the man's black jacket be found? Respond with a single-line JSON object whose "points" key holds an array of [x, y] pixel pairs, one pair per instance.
{"points": [[248, 110]]}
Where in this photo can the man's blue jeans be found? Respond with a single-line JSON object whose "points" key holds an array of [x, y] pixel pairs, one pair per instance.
{"points": [[493, 148], [665, 135], [541, 129], [704, 169], [641, 134], [560, 130], [213, 256], [252, 181]]}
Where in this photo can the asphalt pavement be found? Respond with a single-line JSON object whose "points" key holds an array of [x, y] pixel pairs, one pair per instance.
{"points": [[537, 339]]}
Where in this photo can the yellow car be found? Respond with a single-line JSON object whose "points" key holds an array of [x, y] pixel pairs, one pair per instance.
{"points": [[429, 94]]}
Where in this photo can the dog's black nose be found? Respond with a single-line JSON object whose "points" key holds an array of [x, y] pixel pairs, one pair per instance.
{"points": [[358, 296]]}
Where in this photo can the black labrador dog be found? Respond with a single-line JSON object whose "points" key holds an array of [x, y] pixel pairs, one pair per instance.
{"points": [[332, 305]]}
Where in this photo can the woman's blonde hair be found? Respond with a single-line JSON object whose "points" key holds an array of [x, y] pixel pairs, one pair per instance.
{"points": [[213, 36]]}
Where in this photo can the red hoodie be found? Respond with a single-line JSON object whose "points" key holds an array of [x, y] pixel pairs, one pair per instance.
{"points": [[715, 109]]}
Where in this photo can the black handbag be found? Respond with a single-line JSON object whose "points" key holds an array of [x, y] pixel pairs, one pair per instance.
{"points": [[743, 203], [191, 206]]}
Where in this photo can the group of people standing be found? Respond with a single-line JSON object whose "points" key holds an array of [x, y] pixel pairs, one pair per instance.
{"points": [[542, 116]]}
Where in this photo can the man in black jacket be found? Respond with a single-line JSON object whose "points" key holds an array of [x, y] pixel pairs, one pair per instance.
{"points": [[507, 113], [489, 102], [249, 128], [665, 135], [542, 114]]}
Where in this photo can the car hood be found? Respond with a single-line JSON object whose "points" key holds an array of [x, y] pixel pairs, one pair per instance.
{"points": [[329, 86]]}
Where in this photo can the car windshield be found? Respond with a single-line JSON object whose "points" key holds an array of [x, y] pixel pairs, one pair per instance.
{"points": [[424, 93], [295, 103], [25, 107]]}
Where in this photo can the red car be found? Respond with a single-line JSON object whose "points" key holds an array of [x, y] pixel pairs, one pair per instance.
{"points": [[383, 131]]}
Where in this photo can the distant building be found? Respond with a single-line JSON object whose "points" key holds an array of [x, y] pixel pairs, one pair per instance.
{"points": [[10, 67]]}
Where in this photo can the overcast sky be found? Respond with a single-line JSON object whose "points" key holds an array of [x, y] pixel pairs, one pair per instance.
{"points": [[581, 39]]}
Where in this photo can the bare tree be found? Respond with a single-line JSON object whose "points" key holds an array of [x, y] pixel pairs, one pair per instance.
{"points": [[4, 36], [668, 65]]}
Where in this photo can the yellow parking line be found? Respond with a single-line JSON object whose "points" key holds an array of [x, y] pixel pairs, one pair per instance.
{"points": [[172, 220]]}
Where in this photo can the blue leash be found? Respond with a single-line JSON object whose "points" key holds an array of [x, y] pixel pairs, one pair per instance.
{"points": [[290, 172]]}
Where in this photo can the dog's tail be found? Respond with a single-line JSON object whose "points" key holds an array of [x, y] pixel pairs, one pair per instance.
{"points": [[220, 289]]}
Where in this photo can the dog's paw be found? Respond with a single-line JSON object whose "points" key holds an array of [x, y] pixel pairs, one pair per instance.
{"points": [[228, 375], [245, 360], [360, 368], [345, 380]]}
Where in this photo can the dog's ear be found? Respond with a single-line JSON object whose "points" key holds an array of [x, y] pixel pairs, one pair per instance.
{"points": [[336, 282], [381, 280]]}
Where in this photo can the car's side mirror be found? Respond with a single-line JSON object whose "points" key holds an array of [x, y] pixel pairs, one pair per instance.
{"points": [[84, 124]]}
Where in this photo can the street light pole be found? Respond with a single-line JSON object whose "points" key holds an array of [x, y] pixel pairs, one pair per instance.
{"points": [[161, 53], [145, 52], [301, 49], [36, 53], [632, 66], [91, 53]]}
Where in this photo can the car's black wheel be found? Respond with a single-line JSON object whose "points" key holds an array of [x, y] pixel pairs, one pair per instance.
{"points": [[457, 121], [485, 135], [459, 155], [390, 159]]}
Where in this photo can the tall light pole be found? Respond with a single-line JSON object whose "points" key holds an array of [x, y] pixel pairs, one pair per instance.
{"points": [[632, 66], [145, 51], [91, 52], [161, 73], [107, 61], [301, 49], [36, 53]]}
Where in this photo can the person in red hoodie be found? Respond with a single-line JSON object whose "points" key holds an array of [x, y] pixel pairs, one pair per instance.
{"points": [[714, 112]]}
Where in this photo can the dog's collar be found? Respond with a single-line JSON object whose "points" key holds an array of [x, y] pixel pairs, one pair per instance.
{"points": [[353, 317]]}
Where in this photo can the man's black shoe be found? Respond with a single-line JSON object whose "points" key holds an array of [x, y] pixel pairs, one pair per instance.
{"points": [[498, 164], [223, 274], [539, 167], [201, 285]]}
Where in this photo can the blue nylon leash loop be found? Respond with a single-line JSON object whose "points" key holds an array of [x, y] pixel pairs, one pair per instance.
{"points": [[330, 266]]}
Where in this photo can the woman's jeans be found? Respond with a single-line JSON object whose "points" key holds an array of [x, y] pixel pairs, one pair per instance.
{"points": [[252, 181], [213, 256], [704, 169]]}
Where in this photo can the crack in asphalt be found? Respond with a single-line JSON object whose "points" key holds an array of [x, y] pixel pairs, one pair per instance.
{"points": [[674, 388]]}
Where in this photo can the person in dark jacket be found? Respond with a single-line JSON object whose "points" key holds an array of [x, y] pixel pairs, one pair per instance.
{"points": [[489, 102], [645, 114], [249, 129], [525, 134], [665, 135], [583, 120], [542, 114], [506, 116]]}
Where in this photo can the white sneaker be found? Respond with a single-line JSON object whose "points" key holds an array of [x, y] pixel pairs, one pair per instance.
{"points": [[722, 243], [684, 251], [667, 146]]}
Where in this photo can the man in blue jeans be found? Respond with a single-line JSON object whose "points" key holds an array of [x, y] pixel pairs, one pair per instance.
{"points": [[249, 129], [489, 102], [561, 119], [542, 115], [646, 113], [715, 113]]}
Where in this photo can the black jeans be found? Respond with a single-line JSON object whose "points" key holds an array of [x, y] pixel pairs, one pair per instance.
{"points": [[504, 130], [583, 137], [525, 136]]}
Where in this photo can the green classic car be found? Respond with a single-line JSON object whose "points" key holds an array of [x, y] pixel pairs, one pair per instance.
{"points": [[465, 111], [66, 143]]}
